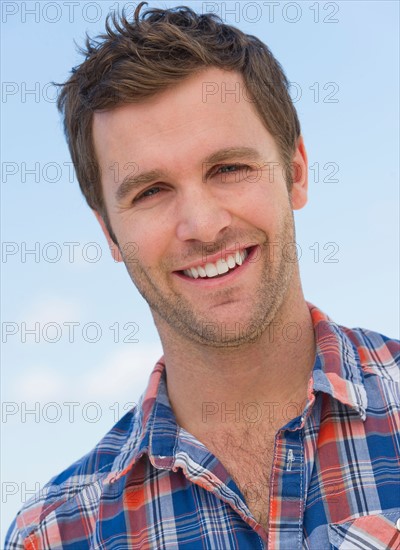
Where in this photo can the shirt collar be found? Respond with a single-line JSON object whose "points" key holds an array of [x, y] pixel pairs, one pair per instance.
{"points": [[337, 368], [337, 372]]}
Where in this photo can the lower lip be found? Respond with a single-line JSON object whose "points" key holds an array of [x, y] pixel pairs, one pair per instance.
{"points": [[209, 282]]}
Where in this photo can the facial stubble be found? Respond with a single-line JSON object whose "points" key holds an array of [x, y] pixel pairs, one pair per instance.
{"points": [[182, 317]]}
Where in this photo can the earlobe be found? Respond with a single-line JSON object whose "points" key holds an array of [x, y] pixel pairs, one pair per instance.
{"points": [[115, 252], [299, 176]]}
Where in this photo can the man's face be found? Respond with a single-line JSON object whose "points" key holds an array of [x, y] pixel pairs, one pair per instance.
{"points": [[190, 216]]}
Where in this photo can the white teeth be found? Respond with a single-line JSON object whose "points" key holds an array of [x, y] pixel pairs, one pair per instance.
{"points": [[219, 268], [222, 267], [231, 262], [211, 270]]}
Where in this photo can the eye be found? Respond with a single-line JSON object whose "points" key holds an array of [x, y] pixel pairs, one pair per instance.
{"points": [[232, 172], [147, 193], [226, 168]]}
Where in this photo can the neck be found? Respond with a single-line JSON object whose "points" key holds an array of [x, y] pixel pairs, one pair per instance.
{"points": [[221, 388]]}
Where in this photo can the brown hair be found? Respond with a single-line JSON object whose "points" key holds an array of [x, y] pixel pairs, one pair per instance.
{"points": [[135, 60]]}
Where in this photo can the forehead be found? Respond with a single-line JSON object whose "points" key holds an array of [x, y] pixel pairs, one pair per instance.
{"points": [[191, 119]]}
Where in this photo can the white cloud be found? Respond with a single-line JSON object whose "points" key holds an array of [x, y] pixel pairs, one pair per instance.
{"points": [[40, 383], [52, 309], [122, 376]]}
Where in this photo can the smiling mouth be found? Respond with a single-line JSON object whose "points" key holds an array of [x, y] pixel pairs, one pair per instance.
{"points": [[219, 268]]}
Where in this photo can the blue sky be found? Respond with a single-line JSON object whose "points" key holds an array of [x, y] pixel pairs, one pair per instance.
{"points": [[60, 397]]}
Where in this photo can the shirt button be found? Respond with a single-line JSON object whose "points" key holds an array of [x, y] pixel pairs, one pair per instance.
{"points": [[398, 524]]}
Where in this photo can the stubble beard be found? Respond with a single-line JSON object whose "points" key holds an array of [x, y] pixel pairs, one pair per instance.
{"points": [[180, 316]]}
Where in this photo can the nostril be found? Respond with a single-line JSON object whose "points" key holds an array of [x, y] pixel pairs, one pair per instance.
{"points": [[202, 220]]}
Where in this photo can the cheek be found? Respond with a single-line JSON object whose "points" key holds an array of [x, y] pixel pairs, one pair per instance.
{"points": [[146, 236], [257, 204]]}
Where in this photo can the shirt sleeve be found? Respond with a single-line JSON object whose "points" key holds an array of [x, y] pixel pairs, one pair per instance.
{"points": [[14, 540]]}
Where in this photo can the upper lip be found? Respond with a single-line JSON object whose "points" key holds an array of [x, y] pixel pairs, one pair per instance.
{"points": [[211, 259]]}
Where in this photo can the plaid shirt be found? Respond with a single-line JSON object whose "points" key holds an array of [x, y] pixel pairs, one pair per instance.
{"points": [[150, 484]]}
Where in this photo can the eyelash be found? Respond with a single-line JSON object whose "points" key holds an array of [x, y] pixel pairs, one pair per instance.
{"points": [[218, 168], [230, 166], [142, 194]]}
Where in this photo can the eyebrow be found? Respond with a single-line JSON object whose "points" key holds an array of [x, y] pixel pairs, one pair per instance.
{"points": [[131, 182]]}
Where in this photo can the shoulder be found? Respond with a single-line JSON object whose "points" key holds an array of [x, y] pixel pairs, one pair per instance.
{"points": [[378, 353], [378, 359], [79, 485]]}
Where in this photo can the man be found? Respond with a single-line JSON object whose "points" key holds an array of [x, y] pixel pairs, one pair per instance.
{"points": [[265, 424]]}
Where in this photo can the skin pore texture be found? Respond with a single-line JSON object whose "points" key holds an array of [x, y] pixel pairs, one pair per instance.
{"points": [[225, 339]]}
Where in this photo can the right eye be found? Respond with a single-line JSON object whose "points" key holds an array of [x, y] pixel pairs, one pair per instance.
{"points": [[150, 192]]}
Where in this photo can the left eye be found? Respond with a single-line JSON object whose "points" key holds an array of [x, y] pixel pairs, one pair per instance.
{"points": [[226, 168], [231, 173]]}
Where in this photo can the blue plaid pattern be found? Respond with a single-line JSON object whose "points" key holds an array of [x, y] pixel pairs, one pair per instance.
{"points": [[149, 484]]}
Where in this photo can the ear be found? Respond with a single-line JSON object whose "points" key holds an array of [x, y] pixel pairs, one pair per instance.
{"points": [[115, 252], [300, 176]]}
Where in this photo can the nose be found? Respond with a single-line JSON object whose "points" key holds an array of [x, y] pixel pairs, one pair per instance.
{"points": [[201, 215]]}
